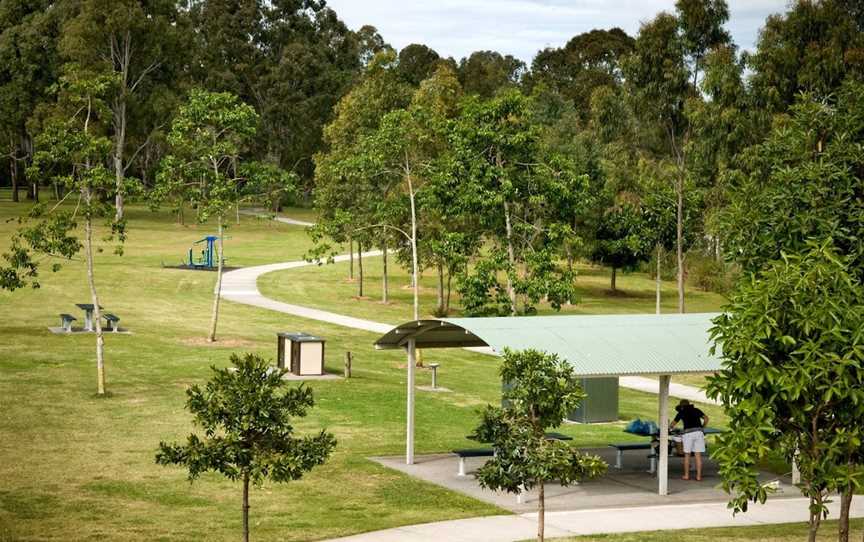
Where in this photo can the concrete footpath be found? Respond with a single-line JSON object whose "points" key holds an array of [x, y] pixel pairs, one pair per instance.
{"points": [[601, 521], [241, 286]]}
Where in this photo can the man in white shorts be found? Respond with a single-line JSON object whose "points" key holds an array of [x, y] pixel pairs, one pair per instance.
{"points": [[693, 438]]}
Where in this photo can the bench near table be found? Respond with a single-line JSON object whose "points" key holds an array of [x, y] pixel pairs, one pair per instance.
{"points": [[66, 322], [471, 452], [113, 321]]}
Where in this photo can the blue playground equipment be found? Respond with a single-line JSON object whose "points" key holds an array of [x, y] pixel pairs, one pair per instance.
{"points": [[207, 256]]}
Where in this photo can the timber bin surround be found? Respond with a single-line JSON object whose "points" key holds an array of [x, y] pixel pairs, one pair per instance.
{"points": [[305, 353]]}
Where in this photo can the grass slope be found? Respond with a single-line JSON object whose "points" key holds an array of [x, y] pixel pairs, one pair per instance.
{"points": [[79, 467]]}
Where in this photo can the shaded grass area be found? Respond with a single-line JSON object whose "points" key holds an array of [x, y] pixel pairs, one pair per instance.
{"points": [[77, 466], [765, 533]]}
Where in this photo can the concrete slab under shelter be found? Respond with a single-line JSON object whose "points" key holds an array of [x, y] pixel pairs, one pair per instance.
{"points": [[631, 486]]}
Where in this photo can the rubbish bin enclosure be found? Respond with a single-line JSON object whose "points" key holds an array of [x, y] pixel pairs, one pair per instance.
{"points": [[302, 354], [601, 403]]}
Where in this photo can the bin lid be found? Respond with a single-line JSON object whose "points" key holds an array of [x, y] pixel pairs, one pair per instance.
{"points": [[300, 337]]}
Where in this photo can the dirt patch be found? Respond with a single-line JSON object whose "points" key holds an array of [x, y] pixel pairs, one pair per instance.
{"points": [[361, 298], [220, 343]]}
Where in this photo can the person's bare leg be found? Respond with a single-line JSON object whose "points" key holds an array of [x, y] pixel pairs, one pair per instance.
{"points": [[686, 467], [698, 466]]}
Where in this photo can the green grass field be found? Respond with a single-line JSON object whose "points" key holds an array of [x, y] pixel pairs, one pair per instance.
{"points": [[327, 287], [79, 467], [763, 533]]}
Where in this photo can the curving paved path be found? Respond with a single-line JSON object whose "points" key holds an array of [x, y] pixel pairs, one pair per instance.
{"points": [[241, 286], [601, 521]]}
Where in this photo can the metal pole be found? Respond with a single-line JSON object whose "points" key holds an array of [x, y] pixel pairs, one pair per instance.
{"points": [[663, 467], [409, 441]]}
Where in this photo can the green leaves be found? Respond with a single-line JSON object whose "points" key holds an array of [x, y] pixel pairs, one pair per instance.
{"points": [[245, 412], [207, 139], [540, 390], [792, 381]]}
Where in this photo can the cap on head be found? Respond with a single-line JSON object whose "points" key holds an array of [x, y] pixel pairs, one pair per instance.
{"points": [[683, 403]]}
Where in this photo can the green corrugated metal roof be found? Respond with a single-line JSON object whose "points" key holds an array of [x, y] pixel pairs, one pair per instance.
{"points": [[602, 345]]}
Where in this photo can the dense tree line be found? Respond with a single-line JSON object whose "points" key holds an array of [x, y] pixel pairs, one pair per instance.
{"points": [[614, 148]]}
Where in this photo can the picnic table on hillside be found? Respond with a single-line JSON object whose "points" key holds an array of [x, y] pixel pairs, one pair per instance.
{"points": [[88, 309]]}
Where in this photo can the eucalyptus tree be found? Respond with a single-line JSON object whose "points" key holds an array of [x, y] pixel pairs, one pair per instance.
{"points": [[813, 47], [661, 75], [417, 62], [246, 414], [399, 159], [344, 194], [134, 41], [484, 73], [71, 148], [541, 391], [207, 138], [588, 61]]}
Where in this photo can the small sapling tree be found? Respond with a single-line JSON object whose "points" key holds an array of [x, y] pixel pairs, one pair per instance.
{"points": [[248, 436], [541, 391], [206, 140], [72, 149]]}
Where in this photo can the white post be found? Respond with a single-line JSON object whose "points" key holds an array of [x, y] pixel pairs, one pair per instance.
{"points": [[409, 441], [796, 474], [663, 466]]}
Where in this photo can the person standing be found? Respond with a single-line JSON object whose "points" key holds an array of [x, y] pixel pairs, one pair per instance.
{"points": [[693, 437]]}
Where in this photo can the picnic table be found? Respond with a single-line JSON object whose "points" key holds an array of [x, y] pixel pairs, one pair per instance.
{"points": [[88, 309], [653, 445], [489, 452]]}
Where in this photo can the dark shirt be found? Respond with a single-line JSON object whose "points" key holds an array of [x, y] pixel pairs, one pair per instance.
{"points": [[691, 416]]}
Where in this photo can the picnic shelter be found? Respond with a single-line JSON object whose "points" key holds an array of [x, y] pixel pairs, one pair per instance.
{"points": [[595, 345]]}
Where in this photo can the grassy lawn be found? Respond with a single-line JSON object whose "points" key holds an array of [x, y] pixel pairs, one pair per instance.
{"points": [[77, 466], [327, 287], [764, 533]]}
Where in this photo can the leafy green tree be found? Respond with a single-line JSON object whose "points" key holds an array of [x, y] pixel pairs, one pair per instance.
{"points": [[540, 391], [417, 62], [484, 73], [134, 41], [588, 61], [793, 349], [29, 66], [621, 241], [802, 184], [207, 137], [245, 412], [512, 186], [72, 149], [791, 335]]}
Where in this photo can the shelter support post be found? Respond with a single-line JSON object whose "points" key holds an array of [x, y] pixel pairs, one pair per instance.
{"points": [[663, 466], [409, 440]]}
